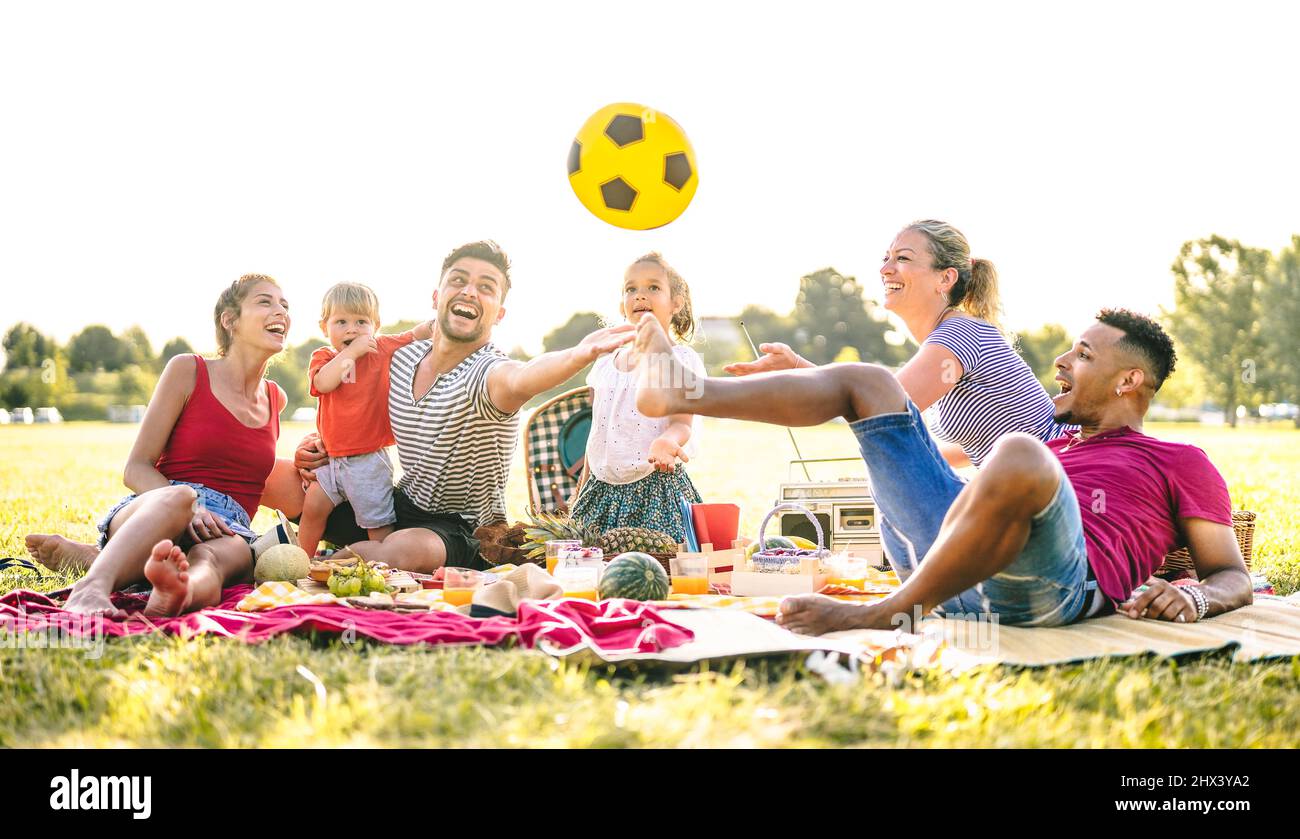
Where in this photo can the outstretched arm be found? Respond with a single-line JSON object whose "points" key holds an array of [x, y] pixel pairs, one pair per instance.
{"points": [[776, 356], [512, 383], [667, 447]]}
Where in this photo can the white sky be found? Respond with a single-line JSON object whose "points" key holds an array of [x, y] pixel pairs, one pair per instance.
{"points": [[152, 152]]}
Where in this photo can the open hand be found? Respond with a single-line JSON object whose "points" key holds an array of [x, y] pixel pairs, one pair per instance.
{"points": [[603, 341], [776, 356], [1160, 601], [664, 454]]}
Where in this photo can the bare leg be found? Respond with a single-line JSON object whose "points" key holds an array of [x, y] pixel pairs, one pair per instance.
{"points": [[283, 490], [413, 549], [984, 531], [185, 582], [379, 534], [59, 554], [793, 398], [315, 512], [156, 515]]}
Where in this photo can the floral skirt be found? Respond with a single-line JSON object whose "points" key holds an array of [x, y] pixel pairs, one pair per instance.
{"points": [[650, 502]]}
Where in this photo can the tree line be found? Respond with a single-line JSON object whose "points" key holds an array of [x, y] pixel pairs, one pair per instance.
{"points": [[1234, 322], [95, 369]]}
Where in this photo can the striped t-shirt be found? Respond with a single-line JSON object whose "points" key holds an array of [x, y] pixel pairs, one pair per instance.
{"points": [[454, 445], [996, 394]]}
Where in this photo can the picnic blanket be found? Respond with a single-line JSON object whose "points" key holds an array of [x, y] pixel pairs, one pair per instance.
{"points": [[556, 626], [692, 628], [1269, 628]]}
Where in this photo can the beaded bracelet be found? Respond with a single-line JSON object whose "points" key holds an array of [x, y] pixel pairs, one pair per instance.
{"points": [[1199, 598]]}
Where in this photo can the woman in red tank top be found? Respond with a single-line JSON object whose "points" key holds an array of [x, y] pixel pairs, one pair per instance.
{"points": [[205, 449]]}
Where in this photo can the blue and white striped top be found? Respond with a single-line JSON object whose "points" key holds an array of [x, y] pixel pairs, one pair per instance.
{"points": [[996, 394]]}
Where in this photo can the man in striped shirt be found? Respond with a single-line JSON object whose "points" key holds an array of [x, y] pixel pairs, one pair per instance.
{"points": [[453, 402]]}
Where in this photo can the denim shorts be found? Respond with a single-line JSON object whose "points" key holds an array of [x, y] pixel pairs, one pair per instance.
{"points": [[218, 503], [1045, 585]]}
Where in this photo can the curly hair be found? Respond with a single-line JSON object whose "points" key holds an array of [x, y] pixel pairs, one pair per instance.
{"points": [[683, 323], [1145, 337]]}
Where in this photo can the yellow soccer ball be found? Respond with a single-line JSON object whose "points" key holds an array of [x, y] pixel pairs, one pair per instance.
{"points": [[633, 167]]}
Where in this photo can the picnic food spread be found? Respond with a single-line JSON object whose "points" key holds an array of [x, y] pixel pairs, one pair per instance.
{"points": [[582, 563]]}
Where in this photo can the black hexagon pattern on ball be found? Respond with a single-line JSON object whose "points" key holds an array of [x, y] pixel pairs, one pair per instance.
{"points": [[677, 170], [575, 158], [625, 130], [618, 194]]}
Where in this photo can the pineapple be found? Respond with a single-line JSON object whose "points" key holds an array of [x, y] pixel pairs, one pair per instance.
{"points": [[546, 526], [643, 539], [543, 527]]}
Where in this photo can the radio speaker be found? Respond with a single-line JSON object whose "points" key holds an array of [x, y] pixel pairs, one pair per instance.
{"points": [[797, 524]]}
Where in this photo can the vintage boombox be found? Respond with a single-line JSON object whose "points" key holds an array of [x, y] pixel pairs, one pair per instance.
{"points": [[844, 508]]}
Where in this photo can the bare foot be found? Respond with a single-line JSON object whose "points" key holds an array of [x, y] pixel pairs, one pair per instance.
{"points": [[86, 599], [664, 384], [813, 614], [59, 554], [168, 571]]}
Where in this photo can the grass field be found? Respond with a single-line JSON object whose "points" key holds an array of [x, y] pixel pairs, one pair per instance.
{"points": [[164, 692]]}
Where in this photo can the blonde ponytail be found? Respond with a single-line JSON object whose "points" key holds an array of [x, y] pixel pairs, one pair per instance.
{"points": [[976, 289], [980, 298]]}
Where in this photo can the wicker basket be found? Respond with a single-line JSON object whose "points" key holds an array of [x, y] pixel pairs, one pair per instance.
{"points": [[1243, 524], [762, 557]]}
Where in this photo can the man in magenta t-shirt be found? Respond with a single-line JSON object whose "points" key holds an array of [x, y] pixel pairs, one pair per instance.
{"points": [[1043, 535]]}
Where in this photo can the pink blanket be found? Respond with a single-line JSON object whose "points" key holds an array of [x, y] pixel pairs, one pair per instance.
{"points": [[563, 626]]}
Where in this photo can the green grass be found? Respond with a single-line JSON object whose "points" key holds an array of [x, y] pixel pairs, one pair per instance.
{"points": [[156, 691]]}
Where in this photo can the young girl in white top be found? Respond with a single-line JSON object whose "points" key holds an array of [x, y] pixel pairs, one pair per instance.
{"points": [[632, 477]]}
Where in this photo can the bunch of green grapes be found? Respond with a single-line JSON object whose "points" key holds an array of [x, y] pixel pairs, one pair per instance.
{"points": [[356, 580]]}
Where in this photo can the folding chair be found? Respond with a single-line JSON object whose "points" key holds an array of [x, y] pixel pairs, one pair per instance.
{"points": [[555, 449]]}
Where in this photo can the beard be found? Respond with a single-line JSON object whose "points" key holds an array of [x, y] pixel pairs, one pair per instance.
{"points": [[474, 335]]}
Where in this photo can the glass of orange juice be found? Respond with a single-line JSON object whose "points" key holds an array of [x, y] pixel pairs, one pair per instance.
{"points": [[557, 546], [578, 580], [690, 575], [459, 585], [848, 571]]}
